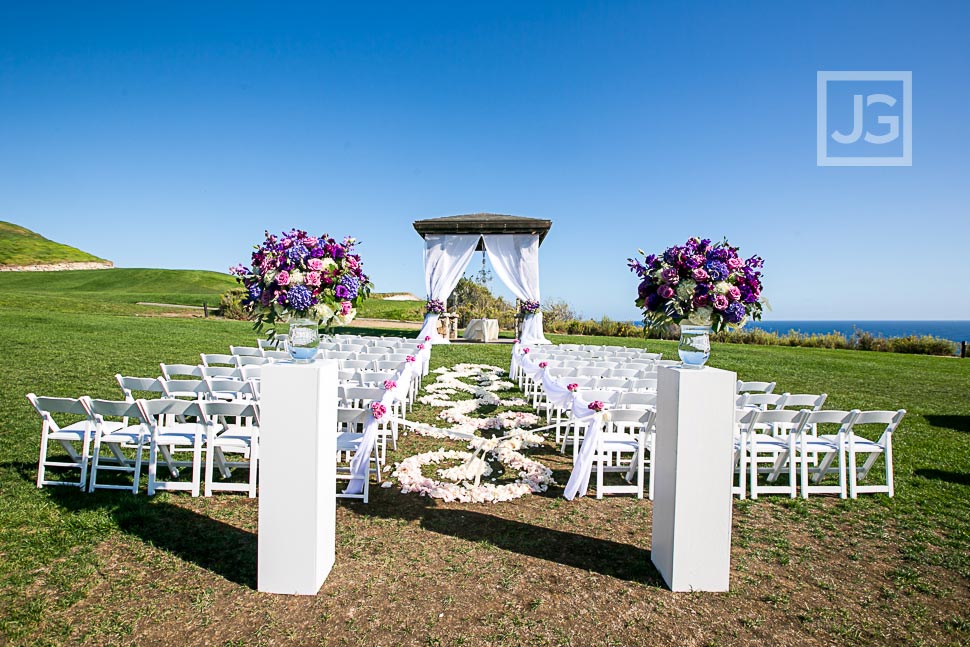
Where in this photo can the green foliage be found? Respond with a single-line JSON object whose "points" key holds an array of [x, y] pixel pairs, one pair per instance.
{"points": [[231, 304], [860, 340], [473, 300], [21, 246]]}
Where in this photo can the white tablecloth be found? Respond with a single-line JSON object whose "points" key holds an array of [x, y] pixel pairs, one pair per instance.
{"points": [[482, 330]]}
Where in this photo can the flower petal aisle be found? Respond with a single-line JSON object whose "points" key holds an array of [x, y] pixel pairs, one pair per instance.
{"points": [[462, 482]]}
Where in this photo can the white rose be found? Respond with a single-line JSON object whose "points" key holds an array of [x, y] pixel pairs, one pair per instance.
{"points": [[722, 287], [296, 277], [701, 316]]}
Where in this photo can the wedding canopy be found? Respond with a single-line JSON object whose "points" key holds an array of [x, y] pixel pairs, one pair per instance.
{"points": [[511, 244]]}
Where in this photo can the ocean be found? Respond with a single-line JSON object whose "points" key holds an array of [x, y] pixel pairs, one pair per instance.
{"points": [[953, 330]]}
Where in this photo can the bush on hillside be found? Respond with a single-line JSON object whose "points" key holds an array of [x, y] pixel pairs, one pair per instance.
{"points": [[231, 304]]}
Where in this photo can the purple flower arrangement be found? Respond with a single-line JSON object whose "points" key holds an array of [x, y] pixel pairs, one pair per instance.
{"points": [[434, 307], [295, 275], [699, 283], [529, 307]]}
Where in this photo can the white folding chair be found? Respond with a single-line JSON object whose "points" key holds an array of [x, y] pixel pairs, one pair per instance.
{"points": [[220, 371], [174, 371], [250, 360], [225, 389], [277, 355], [75, 428], [349, 434], [176, 425], [193, 389], [770, 448], [117, 426], [231, 427], [807, 445], [218, 359], [246, 351], [755, 387], [858, 444], [137, 387], [636, 400]]}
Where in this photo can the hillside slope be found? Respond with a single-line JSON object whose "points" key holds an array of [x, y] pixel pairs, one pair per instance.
{"points": [[102, 290], [21, 246]]}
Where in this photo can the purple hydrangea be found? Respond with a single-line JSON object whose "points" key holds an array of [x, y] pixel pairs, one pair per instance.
{"points": [[352, 286], [735, 312], [299, 297], [255, 292], [717, 270], [297, 253]]}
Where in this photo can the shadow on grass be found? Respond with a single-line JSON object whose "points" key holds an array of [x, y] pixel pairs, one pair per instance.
{"points": [[954, 422], [614, 559], [209, 543], [960, 478]]}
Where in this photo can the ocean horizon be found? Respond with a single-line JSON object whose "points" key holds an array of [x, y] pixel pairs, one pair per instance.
{"points": [[954, 330]]}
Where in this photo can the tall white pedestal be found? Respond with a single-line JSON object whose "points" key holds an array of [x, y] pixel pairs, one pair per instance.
{"points": [[694, 472], [297, 476]]}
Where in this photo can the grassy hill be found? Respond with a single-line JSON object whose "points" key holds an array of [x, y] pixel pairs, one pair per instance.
{"points": [[113, 290], [21, 246]]}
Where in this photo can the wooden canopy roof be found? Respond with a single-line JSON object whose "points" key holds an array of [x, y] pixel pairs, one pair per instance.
{"points": [[483, 223]]}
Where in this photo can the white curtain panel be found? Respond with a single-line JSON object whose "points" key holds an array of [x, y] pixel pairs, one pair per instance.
{"points": [[445, 260], [515, 258]]}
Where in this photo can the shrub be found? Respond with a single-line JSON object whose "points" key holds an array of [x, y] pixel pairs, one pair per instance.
{"points": [[231, 304]]}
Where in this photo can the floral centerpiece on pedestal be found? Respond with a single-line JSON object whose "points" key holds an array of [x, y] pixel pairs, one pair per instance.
{"points": [[699, 286], [434, 307], [529, 307], [298, 276]]}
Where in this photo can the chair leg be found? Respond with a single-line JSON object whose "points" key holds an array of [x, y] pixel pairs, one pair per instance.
{"points": [[197, 465], [209, 468], [889, 468], [41, 462], [253, 468]]}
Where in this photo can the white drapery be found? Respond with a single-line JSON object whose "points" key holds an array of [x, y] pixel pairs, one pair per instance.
{"points": [[515, 258], [445, 260]]}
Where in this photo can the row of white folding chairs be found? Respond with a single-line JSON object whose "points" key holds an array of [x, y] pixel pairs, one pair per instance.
{"points": [[796, 442], [206, 429]]}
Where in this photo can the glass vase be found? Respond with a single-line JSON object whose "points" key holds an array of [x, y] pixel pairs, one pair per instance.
{"points": [[695, 345], [304, 340]]}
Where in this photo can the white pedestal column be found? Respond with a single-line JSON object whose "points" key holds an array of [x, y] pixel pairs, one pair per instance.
{"points": [[297, 477], [694, 471]]}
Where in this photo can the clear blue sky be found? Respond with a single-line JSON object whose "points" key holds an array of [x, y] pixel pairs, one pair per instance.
{"points": [[172, 134]]}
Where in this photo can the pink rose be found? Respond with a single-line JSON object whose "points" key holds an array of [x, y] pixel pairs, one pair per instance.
{"points": [[701, 300], [311, 242], [525, 350], [287, 242], [596, 405], [665, 291], [734, 293], [345, 308], [543, 364], [700, 274], [378, 410], [420, 346], [389, 384], [315, 264], [427, 338], [515, 341], [352, 263], [313, 278], [572, 387], [409, 358], [283, 278], [735, 263], [720, 302]]}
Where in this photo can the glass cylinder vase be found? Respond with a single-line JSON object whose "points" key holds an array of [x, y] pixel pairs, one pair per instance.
{"points": [[694, 347], [304, 340]]}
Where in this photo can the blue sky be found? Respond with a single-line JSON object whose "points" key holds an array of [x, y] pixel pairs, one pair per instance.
{"points": [[173, 134]]}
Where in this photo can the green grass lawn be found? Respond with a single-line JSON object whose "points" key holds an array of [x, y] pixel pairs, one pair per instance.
{"points": [[112, 568], [20, 246]]}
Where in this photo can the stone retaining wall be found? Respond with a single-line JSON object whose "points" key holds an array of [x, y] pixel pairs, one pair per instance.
{"points": [[58, 267]]}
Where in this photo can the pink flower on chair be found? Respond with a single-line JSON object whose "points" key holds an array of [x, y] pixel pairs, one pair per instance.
{"points": [[409, 358], [515, 341], [543, 364], [378, 410], [427, 338], [572, 387], [389, 384], [525, 351], [420, 346], [596, 405]]}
